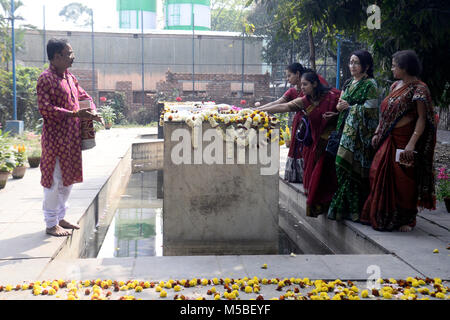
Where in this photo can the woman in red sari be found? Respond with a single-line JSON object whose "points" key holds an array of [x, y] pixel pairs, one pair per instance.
{"points": [[293, 74], [401, 175], [319, 104]]}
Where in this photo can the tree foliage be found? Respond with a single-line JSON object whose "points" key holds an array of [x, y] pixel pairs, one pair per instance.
{"points": [[5, 32], [423, 26], [228, 15], [26, 79]]}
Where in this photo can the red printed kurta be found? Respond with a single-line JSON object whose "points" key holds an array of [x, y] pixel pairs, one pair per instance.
{"points": [[61, 136]]}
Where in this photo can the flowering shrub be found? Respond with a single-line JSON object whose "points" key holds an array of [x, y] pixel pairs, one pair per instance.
{"points": [[443, 184], [20, 155], [7, 161]]}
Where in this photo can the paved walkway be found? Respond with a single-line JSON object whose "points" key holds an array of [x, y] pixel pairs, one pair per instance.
{"points": [[26, 252]]}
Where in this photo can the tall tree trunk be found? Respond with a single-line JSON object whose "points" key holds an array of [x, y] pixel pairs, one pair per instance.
{"points": [[312, 50]]}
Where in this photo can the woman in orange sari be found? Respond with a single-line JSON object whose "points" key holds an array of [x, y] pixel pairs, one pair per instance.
{"points": [[402, 175]]}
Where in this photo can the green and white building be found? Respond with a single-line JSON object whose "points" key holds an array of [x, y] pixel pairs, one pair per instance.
{"points": [[178, 14], [130, 14]]}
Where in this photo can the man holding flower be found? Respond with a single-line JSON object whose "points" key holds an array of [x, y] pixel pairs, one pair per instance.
{"points": [[59, 96]]}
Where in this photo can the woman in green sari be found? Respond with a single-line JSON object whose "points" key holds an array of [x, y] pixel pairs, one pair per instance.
{"points": [[359, 110]]}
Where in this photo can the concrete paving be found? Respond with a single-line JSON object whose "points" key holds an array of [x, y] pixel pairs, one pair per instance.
{"points": [[27, 253]]}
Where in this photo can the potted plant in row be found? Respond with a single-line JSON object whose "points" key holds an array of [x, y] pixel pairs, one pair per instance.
{"points": [[34, 156], [20, 162], [7, 161], [109, 115], [443, 187]]}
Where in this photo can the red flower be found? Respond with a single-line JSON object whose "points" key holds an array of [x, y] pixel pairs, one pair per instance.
{"points": [[178, 99], [102, 99], [243, 102]]}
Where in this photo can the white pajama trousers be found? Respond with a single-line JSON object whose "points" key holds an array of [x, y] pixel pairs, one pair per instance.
{"points": [[55, 199]]}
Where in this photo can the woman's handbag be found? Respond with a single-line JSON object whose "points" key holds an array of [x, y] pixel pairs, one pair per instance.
{"points": [[295, 167], [303, 135], [335, 137]]}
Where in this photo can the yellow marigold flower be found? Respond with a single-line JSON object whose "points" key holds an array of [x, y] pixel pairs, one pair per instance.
{"points": [[158, 289], [353, 297], [404, 297], [406, 292], [248, 289], [109, 282], [265, 281], [162, 284], [415, 283], [199, 298], [281, 142], [355, 289], [421, 282], [123, 288], [51, 291], [97, 291], [387, 295], [217, 297], [435, 251], [104, 284], [146, 284], [215, 281], [163, 294], [440, 295], [225, 294], [183, 282], [121, 283], [256, 289], [424, 291], [232, 295], [204, 282], [71, 297], [437, 281], [264, 266], [177, 288], [25, 287], [192, 283], [392, 280], [380, 280], [274, 281], [314, 297], [168, 285], [365, 293], [138, 289], [410, 279], [336, 297]]}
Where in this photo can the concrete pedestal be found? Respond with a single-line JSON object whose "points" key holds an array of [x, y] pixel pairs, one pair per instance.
{"points": [[14, 126], [215, 209]]}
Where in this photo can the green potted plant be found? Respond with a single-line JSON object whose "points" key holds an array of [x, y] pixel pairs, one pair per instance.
{"points": [[7, 161], [108, 114], [443, 187], [20, 165], [34, 156]]}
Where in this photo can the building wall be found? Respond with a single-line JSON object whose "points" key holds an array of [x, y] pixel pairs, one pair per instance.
{"points": [[118, 55]]}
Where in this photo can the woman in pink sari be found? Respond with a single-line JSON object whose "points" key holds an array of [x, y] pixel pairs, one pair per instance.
{"points": [[402, 175]]}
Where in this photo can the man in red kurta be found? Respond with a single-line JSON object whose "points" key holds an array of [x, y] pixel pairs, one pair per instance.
{"points": [[59, 95]]}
